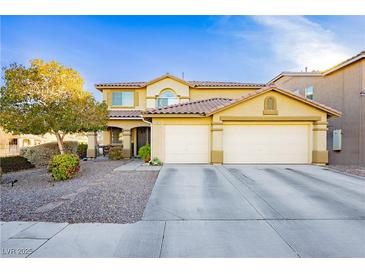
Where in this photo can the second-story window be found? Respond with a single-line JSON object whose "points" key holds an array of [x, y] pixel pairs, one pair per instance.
{"points": [[167, 98], [123, 99], [309, 92]]}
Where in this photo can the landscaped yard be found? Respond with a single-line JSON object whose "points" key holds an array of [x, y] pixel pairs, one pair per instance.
{"points": [[96, 194]]}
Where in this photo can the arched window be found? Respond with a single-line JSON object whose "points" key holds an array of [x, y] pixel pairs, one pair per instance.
{"points": [[167, 98], [270, 107]]}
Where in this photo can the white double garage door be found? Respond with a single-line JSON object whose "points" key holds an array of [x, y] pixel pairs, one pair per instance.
{"points": [[248, 144]]}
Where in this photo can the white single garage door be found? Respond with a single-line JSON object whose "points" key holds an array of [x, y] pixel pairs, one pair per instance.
{"points": [[187, 144], [284, 144]]}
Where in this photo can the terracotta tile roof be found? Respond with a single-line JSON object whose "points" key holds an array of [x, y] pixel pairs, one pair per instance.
{"points": [[195, 84], [124, 114], [210, 106], [122, 84], [201, 107], [223, 84]]}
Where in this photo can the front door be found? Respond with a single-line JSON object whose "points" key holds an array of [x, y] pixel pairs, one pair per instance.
{"points": [[143, 137]]}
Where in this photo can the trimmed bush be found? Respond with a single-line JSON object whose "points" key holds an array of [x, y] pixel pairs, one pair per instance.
{"points": [[82, 150], [155, 162], [115, 153], [41, 155], [145, 153], [64, 166], [14, 163]]}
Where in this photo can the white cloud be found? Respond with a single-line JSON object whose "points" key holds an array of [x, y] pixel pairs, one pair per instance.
{"points": [[300, 43]]}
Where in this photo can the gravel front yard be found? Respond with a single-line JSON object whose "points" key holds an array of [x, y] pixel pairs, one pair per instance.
{"points": [[97, 194]]}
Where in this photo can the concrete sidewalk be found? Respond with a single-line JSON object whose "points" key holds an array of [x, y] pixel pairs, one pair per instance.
{"points": [[185, 239], [146, 239], [137, 165]]}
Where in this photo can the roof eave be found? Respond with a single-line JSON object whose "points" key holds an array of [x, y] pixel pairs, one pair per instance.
{"points": [[228, 87], [173, 115], [167, 76], [346, 63], [304, 74], [101, 87], [125, 118]]}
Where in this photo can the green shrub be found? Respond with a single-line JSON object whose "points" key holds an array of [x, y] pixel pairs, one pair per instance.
{"points": [[82, 150], [64, 166], [41, 155], [155, 162], [115, 153], [14, 163], [145, 153]]}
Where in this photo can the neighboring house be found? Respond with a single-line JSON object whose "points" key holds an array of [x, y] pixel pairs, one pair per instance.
{"points": [[11, 144], [215, 122], [341, 87]]}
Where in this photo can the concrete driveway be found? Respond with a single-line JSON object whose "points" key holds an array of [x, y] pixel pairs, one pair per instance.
{"points": [[218, 211], [258, 211]]}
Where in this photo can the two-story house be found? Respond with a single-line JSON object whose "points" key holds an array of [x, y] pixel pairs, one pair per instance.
{"points": [[341, 87], [215, 122]]}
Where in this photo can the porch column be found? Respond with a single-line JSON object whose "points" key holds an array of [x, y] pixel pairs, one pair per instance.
{"points": [[127, 143], [106, 137], [320, 153], [217, 143], [91, 145]]}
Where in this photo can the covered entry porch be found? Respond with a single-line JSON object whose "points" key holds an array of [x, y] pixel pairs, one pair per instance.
{"points": [[130, 134]]}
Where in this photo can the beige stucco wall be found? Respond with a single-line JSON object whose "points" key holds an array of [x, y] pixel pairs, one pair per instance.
{"points": [[206, 93], [158, 132], [139, 97], [290, 111], [127, 124], [286, 107], [146, 97], [154, 90]]}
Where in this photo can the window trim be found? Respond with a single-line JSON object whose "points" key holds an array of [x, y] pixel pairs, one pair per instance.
{"points": [[124, 106], [306, 92], [160, 96]]}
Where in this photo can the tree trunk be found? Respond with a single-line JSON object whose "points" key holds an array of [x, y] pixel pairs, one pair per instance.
{"points": [[60, 142]]}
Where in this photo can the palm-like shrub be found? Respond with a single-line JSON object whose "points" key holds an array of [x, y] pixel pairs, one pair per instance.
{"points": [[145, 153]]}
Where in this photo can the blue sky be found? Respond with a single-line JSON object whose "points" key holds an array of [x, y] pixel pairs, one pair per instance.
{"points": [[224, 48]]}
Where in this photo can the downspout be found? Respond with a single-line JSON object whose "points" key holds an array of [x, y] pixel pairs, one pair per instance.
{"points": [[150, 123]]}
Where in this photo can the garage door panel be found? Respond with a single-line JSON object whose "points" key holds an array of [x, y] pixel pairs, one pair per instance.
{"points": [[186, 144], [265, 144]]}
